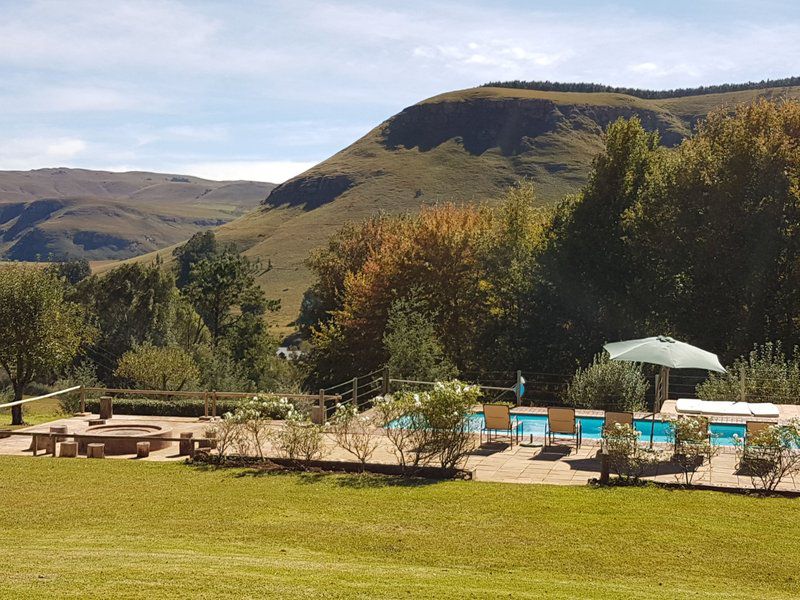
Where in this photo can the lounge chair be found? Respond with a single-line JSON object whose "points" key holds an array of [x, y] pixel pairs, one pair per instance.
{"points": [[497, 419], [751, 429], [561, 422], [616, 418]]}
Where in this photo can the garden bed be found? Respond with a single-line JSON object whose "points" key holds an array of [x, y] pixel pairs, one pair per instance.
{"points": [[338, 466]]}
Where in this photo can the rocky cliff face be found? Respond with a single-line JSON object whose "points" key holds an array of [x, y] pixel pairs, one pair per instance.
{"points": [[510, 125], [310, 192]]}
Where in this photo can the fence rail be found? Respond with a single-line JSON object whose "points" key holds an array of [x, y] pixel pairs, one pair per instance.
{"points": [[210, 398], [42, 397]]}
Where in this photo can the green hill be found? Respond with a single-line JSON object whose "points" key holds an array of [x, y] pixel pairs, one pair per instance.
{"points": [[100, 215], [462, 146]]}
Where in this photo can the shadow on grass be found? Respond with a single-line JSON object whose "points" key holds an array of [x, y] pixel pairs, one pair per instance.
{"points": [[313, 477]]}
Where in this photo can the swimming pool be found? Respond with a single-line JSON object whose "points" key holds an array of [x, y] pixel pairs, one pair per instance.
{"points": [[534, 424]]}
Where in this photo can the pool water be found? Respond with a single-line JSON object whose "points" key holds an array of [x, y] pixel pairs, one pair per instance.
{"points": [[722, 433]]}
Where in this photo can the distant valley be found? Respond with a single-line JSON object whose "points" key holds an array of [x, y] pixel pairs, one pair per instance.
{"points": [[100, 215]]}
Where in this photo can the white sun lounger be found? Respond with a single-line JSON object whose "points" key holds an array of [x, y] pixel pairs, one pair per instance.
{"points": [[764, 409], [693, 406]]}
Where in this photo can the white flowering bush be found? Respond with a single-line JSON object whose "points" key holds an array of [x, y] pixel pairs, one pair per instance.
{"points": [[355, 432], [405, 427], [627, 458], [249, 427], [228, 434], [265, 406], [770, 455], [693, 444], [300, 440], [434, 424]]}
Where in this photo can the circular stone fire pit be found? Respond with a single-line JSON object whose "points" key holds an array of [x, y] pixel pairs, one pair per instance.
{"points": [[121, 438]]}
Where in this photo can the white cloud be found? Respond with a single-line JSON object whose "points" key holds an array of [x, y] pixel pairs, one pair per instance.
{"points": [[35, 152], [65, 149], [273, 171], [176, 84]]}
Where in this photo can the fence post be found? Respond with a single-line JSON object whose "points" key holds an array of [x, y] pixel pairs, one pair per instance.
{"points": [[355, 392], [322, 413], [214, 403], [205, 404], [83, 399], [385, 384], [742, 387], [604, 466], [518, 391]]}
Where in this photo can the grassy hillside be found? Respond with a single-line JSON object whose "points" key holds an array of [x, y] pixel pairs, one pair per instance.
{"points": [[100, 215], [126, 529], [464, 146]]}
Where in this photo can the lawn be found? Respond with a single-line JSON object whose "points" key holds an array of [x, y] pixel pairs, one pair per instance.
{"points": [[122, 529], [34, 413]]}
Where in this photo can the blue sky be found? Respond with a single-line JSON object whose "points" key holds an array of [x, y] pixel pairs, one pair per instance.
{"points": [[263, 90]]}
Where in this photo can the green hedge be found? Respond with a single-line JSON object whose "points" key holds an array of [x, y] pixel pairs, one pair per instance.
{"points": [[185, 407]]}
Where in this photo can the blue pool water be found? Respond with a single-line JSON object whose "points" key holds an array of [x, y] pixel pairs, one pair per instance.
{"points": [[722, 433]]}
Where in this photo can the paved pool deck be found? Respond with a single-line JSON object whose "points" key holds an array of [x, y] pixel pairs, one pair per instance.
{"points": [[531, 463]]}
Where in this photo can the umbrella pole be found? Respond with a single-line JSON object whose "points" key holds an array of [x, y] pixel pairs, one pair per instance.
{"points": [[653, 413], [662, 393]]}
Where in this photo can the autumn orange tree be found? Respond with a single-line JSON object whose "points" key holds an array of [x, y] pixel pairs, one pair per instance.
{"points": [[459, 262]]}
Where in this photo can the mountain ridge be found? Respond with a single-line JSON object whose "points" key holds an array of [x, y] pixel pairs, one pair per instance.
{"points": [[462, 146], [61, 212]]}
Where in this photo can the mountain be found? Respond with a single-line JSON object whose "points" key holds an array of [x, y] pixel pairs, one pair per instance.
{"points": [[464, 146], [100, 215]]}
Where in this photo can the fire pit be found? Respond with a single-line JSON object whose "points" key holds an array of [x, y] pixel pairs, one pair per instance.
{"points": [[121, 438]]}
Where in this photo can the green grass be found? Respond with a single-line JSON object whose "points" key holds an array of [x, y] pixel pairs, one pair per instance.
{"points": [[35, 413], [122, 529]]}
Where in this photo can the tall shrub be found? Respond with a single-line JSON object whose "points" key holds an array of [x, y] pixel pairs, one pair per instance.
{"points": [[769, 375], [607, 385]]}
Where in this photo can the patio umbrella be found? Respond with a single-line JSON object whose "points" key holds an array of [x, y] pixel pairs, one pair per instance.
{"points": [[669, 354]]}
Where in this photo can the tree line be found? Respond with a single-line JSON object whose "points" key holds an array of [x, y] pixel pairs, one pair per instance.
{"points": [[200, 324], [557, 86], [700, 242]]}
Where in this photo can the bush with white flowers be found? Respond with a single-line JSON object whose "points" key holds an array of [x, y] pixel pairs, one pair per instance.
{"points": [[355, 432], [627, 458], [770, 455], [431, 425]]}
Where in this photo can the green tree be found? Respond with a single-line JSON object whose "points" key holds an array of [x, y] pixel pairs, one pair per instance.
{"points": [[130, 305], [158, 368], [201, 245], [510, 252], [40, 331], [718, 226], [224, 292], [590, 286], [412, 345], [72, 271]]}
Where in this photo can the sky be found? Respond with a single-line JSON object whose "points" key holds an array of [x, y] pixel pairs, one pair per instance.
{"points": [[247, 89]]}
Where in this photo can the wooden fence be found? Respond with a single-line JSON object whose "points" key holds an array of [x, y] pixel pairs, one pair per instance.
{"points": [[210, 398]]}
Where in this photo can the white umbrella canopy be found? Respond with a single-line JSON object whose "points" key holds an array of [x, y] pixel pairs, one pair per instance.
{"points": [[664, 351], [670, 354]]}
